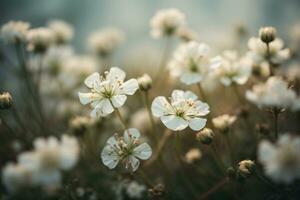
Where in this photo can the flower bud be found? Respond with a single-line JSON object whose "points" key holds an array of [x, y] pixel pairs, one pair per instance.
{"points": [[205, 136], [145, 82], [5, 100], [245, 169], [267, 34]]}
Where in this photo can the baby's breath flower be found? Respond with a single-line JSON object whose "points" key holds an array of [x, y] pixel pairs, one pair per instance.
{"points": [[186, 34], [39, 39], [108, 92], [104, 42], [205, 136], [127, 149], [182, 110], [275, 93], [14, 31], [191, 62], [193, 155], [233, 69], [6, 100], [166, 22], [80, 124], [281, 161], [135, 190], [62, 31], [145, 82], [223, 122]]}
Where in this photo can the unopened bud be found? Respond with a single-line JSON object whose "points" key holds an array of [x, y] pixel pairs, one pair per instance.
{"points": [[5, 100], [145, 82], [205, 136], [267, 34], [245, 169]]}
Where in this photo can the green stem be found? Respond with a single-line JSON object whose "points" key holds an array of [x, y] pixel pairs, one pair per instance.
{"points": [[275, 121], [229, 147], [122, 120], [217, 158]]}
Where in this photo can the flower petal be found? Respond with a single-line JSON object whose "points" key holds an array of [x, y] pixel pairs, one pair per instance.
{"points": [[115, 74], [129, 87], [118, 100], [134, 162], [109, 157], [86, 98], [131, 134], [143, 151], [92, 80], [160, 106], [197, 123], [174, 123], [190, 78]]}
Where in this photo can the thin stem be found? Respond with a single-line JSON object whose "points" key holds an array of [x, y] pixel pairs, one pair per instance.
{"points": [[201, 92], [275, 121], [269, 60], [229, 147], [145, 179], [217, 158], [147, 103], [215, 188], [163, 60], [122, 120]]}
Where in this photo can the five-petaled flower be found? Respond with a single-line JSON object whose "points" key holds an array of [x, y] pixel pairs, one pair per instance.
{"points": [[181, 111], [108, 92], [127, 149]]}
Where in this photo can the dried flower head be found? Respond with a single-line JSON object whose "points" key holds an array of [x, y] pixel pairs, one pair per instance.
{"points": [[5, 100], [205, 136], [267, 34], [245, 169]]}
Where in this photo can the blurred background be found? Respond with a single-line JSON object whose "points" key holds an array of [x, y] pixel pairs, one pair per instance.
{"points": [[213, 20]]}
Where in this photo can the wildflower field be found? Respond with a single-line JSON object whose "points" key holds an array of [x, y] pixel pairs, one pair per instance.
{"points": [[189, 121]]}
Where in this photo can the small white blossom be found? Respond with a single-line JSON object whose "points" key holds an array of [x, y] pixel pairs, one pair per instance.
{"points": [[233, 69], [182, 110], [14, 31], [39, 39], [108, 92], [191, 62], [135, 190], [186, 34], [128, 149], [104, 42], [63, 32], [275, 93], [281, 161], [166, 22], [258, 51], [223, 122]]}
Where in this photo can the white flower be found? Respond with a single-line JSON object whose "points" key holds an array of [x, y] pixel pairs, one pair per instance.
{"points": [[63, 32], [166, 22], [14, 31], [55, 58], [191, 62], [223, 122], [104, 42], [17, 176], [258, 51], [39, 39], [107, 93], [233, 69], [281, 161], [127, 149], [193, 155], [186, 34], [275, 93], [181, 111], [135, 190]]}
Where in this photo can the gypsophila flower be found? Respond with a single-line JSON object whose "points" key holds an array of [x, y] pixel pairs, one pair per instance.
{"points": [[41, 167], [223, 122], [233, 69], [259, 52], [14, 31], [182, 110], [128, 149], [166, 22], [145, 82], [193, 155], [107, 92], [39, 39], [62, 31], [6, 100], [135, 190], [104, 42], [281, 161], [245, 169], [275, 93], [186, 34], [191, 62]]}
